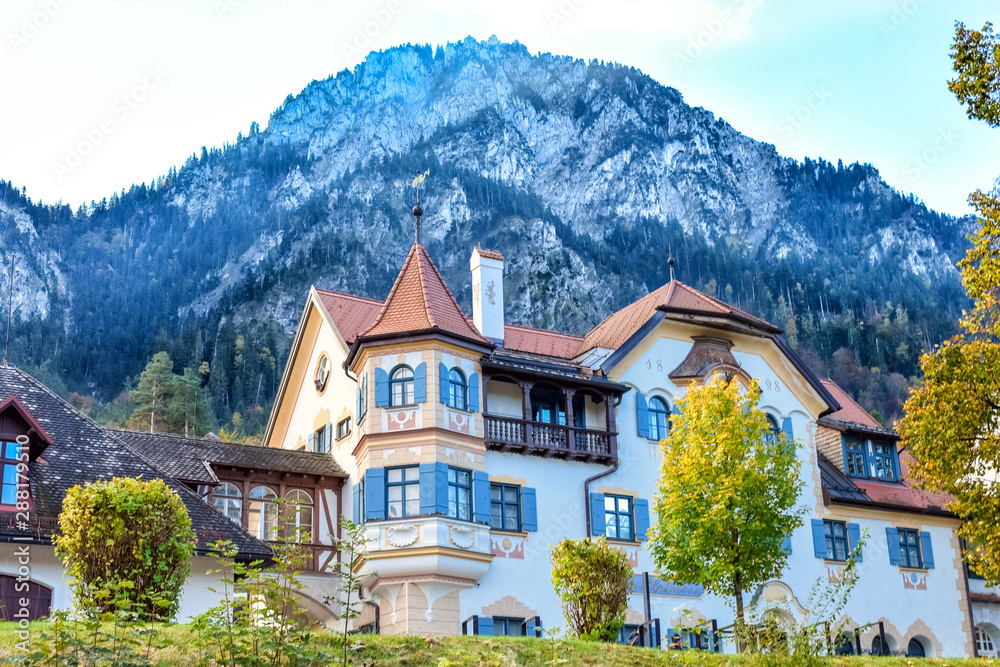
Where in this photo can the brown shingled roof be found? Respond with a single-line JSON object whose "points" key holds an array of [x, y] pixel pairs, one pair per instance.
{"points": [[489, 254], [849, 410], [352, 314], [420, 300], [674, 296]]}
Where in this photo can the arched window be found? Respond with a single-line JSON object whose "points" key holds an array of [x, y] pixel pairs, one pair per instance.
{"points": [[458, 396], [879, 648], [228, 499], [322, 373], [915, 649], [773, 429], [846, 645], [659, 418], [298, 516], [263, 513], [984, 643], [401, 386]]}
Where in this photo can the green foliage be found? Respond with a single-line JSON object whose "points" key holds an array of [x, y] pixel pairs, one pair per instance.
{"points": [[593, 580], [975, 55], [257, 622], [170, 403], [353, 547], [950, 425], [726, 497], [126, 538]]}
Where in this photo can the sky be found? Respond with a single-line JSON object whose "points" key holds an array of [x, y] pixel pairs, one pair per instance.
{"points": [[96, 95]]}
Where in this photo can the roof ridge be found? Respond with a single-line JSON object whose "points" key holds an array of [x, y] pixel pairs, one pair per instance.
{"points": [[347, 295], [423, 283], [395, 286], [545, 331]]}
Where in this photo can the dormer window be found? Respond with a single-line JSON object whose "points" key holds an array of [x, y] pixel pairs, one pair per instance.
{"points": [[12, 477], [871, 459]]}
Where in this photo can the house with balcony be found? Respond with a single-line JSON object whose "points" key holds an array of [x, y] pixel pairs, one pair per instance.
{"points": [[472, 444]]}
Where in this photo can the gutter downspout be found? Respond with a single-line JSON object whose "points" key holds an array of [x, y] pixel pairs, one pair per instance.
{"points": [[586, 482], [968, 599]]}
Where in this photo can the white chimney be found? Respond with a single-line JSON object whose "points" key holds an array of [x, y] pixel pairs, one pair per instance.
{"points": [[487, 292]]}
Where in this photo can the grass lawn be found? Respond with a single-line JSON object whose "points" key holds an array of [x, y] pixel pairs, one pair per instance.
{"points": [[176, 645]]}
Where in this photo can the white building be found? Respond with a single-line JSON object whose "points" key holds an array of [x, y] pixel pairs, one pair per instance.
{"points": [[473, 444]]}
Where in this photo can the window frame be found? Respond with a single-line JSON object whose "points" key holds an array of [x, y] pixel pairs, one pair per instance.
{"points": [[343, 428], [404, 483], [294, 513], [15, 467], [406, 384], [458, 384], [324, 365], [905, 547], [458, 486], [984, 643], [267, 507], [832, 539], [503, 504], [630, 513], [507, 621], [228, 502], [654, 413], [887, 457], [319, 438], [849, 454]]}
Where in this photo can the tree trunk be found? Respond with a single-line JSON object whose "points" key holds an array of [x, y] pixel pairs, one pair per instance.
{"points": [[738, 589]]}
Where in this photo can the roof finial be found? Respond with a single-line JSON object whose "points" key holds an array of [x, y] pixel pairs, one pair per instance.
{"points": [[417, 210], [670, 262]]}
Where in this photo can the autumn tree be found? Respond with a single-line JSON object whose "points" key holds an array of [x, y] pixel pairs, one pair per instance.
{"points": [[952, 422], [725, 501]]}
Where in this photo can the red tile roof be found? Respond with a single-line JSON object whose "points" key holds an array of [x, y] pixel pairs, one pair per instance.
{"points": [[550, 343], [849, 410], [675, 295], [489, 254], [420, 300], [901, 495], [985, 598], [352, 314]]}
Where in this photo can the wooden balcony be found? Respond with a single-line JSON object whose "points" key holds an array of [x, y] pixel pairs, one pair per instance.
{"points": [[510, 434]]}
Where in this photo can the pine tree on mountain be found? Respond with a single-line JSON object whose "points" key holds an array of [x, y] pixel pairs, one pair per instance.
{"points": [[156, 387]]}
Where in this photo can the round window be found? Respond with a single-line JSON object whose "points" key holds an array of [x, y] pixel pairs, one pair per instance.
{"points": [[322, 373]]}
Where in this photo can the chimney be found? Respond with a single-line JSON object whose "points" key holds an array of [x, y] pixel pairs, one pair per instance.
{"points": [[487, 293]]}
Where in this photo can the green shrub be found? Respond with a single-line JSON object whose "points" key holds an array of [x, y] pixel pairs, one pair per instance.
{"points": [[593, 579], [126, 537]]}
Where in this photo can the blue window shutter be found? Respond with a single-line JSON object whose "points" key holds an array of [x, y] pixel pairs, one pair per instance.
{"points": [[444, 385], [329, 435], [381, 388], [854, 533], [441, 473], [428, 488], [311, 443], [375, 494], [481, 497], [786, 546], [597, 514], [786, 427], [357, 405], [819, 538], [925, 546], [892, 540], [474, 392], [420, 383], [533, 627], [485, 626], [641, 518], [641, 415], [529, 510], [356, 517]]}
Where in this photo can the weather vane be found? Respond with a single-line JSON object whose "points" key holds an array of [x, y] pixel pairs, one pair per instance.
{"points": [[417, 210]]}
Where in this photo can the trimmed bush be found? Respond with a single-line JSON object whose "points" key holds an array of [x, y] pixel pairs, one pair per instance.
{"points": [[593, 580]]}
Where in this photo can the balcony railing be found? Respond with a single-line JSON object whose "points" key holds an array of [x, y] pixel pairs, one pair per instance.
{"points": [[531, 437]]}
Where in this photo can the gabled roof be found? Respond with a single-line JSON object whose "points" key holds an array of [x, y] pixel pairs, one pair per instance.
{"points": [[850, 413], [190, 459], [353, 315], [83, 451], [676, 298], [420, 301]]}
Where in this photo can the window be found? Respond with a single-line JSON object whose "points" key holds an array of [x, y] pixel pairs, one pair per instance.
{"points": [[402, 488], [618, 518], [343, 428], [625, 634], [854, 457], [909, 548], [298, 516], [459, 494], [659, 418], [505, 507], [11, 453], [773, 430], [984, 643], [878, 647], [548, 406], [458, 390], [836, 540], [401, 386], [263, 513], [363, 402], [322, 373], [915, 649], [884, 457], [508, 627], [322, 440], [228, 499]]}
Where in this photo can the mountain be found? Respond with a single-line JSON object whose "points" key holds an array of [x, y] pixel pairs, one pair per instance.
{"points": [[585, 175]]}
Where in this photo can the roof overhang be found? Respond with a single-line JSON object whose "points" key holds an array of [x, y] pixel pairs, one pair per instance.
{"points": [[38, 439], [854, 428], [432, 333], [553, 372]]}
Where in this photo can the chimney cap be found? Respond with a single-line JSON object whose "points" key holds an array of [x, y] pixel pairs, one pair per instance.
{"points": [[489, 254]]}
